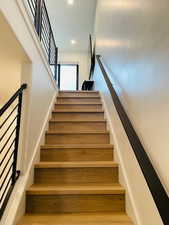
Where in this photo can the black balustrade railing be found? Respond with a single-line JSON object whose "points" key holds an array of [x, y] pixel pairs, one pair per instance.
{"points": [[39, 14], [156, 188], [92, 57], [88, 84], [10, 119]]}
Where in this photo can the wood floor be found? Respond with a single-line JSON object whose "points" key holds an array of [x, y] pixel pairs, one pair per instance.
{"points": [[76, 181]]}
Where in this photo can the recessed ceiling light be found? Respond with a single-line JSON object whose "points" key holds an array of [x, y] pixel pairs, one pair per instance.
{"points": [[70, 2], [73, 42]]}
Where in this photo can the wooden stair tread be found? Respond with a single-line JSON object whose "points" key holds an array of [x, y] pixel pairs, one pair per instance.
{"points": [[78, 97], [76, 121], [76, 164], [77, 132], [78, 111], [94, 146], [78, 103], [79, 91], [75, 189], [100, 218]]}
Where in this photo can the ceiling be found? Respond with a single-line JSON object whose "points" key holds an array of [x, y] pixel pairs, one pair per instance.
{"points": [[72, 22]]}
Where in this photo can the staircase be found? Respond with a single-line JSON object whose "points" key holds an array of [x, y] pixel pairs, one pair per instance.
{"points": [[76, 180]]}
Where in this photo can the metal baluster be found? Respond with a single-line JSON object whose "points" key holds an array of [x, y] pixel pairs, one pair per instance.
{"points": [[15, 173]]}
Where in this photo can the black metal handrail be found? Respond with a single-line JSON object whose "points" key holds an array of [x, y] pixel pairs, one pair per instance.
{"points": [[92, 57], [156, 188], [43, 28], [9, 141]]}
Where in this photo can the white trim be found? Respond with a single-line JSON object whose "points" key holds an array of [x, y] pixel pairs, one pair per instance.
{"points": [[17, 197]]}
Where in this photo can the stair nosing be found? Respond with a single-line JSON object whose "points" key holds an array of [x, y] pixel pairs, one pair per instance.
{"points": [[67, 91], [100, 146], [77, 103], [75, 189], [114, 216], [76, 164], [77, 111], [77, 121], [79, 97], [76, 132]]}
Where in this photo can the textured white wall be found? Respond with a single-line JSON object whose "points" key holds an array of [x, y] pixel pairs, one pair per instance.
{"points": [[133, 38]]}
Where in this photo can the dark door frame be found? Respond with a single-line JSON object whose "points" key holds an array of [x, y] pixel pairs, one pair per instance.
{"points": [[77, 73]]}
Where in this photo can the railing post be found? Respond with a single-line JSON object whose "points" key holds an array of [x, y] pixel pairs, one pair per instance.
{"points": [[49, 55], [77, 81], [56, 63], [56, 71], [14, 171], [38, 17], [59, 67]]}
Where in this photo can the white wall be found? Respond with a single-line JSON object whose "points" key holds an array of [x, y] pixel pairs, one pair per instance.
{"points": [[41, 86], [38, 100], [139, 202], [80, 58], [132, 36], [12, 56], [136, 51]]}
